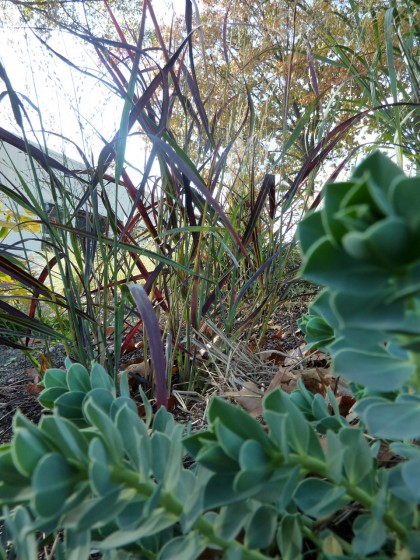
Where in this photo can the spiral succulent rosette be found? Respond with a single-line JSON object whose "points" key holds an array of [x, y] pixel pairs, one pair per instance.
{"points": [[364, 247], [368, 232]]}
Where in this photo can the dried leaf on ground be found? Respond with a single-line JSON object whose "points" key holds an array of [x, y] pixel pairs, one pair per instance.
{"points": [[44, 362], [141, 368], [345, 403], [295, 356], [284, 379], [138, 374], [33, 374], [249, 397], [33, 388], [274, 356], [278, 334]]}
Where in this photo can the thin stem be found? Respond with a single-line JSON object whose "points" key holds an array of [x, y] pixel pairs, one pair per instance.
{"points": [[354, 491], [171, 504]]}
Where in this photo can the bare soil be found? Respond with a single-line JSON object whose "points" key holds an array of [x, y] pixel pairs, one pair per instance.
{"points": [[18, 379]]}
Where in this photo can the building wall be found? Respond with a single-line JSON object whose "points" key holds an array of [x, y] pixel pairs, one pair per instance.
{"points": [[19, 173]]}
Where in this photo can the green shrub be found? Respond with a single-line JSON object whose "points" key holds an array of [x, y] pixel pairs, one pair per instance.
{"points": [[364, 246], [93, 476]]}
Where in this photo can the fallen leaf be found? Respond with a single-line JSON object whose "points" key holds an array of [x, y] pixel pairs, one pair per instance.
{"points": [[295, 356], [284, 379], [345, 403], [278, 334], [138, 374], [206, 330], [386, 456], [139, 369], [274, 356], [44, 362], [319, 359], [314, 386], [171, 403], [33, 373], [249, 397], [33, 388]]}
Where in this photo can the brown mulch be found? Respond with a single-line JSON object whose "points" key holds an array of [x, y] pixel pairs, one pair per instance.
{"points": [[18, 386]]}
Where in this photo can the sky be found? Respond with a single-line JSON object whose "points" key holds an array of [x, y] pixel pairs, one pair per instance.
{"points": [[69, 103]]}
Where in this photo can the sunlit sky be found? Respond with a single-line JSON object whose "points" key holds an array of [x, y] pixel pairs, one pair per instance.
{"points": [[70, 104]]}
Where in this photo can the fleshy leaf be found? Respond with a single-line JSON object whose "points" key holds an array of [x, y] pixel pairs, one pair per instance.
{"points": [[318, 498], [379, 370]]}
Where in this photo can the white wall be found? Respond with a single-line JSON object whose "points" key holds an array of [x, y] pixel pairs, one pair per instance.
{"points": [[14, 162]]}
